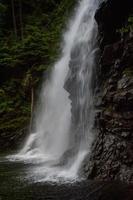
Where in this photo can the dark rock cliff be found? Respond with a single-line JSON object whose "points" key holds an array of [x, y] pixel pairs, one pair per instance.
{"points": [[112, 151]]}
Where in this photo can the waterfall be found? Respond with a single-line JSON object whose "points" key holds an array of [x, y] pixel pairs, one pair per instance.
{"points": [[64, 120]]}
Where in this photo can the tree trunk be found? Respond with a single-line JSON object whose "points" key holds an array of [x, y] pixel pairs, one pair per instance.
{"points": [[14, 19], [32, 108], [20, 18]]}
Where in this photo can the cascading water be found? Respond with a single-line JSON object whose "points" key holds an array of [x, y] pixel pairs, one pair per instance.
{"points": [[63, 134]]}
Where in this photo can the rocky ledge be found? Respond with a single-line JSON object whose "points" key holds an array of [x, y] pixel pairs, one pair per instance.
{"points": [[112, 151]]}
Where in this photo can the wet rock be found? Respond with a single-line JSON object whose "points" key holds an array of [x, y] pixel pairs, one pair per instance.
{"points": [[112, 151], [111, 53], [109, 19], [125, 81]]}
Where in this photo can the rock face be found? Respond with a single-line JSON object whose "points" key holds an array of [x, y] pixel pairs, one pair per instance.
{"points": [[112, 151]]}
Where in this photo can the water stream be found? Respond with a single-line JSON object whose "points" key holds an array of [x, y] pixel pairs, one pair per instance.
{"points": [[61, 141]]}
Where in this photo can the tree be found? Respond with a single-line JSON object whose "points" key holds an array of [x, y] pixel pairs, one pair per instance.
{"points": [[14, 18], [20, 19]]}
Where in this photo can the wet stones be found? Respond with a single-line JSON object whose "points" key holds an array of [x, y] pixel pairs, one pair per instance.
{"points": [[112, 151]]}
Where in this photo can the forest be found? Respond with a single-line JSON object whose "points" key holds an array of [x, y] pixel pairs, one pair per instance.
{"points": [[30, 33]]}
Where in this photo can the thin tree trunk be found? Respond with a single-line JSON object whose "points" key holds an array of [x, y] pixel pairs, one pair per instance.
{"points": [[14, 18], [20, 18], [32, 108]]}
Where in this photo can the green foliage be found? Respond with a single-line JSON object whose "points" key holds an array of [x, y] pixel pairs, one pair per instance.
{"points": [[2, 8], [26, 56], [128, 27], [128, 72]]}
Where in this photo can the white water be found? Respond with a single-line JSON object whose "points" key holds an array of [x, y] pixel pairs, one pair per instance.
{"points": [[55, 145]]}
